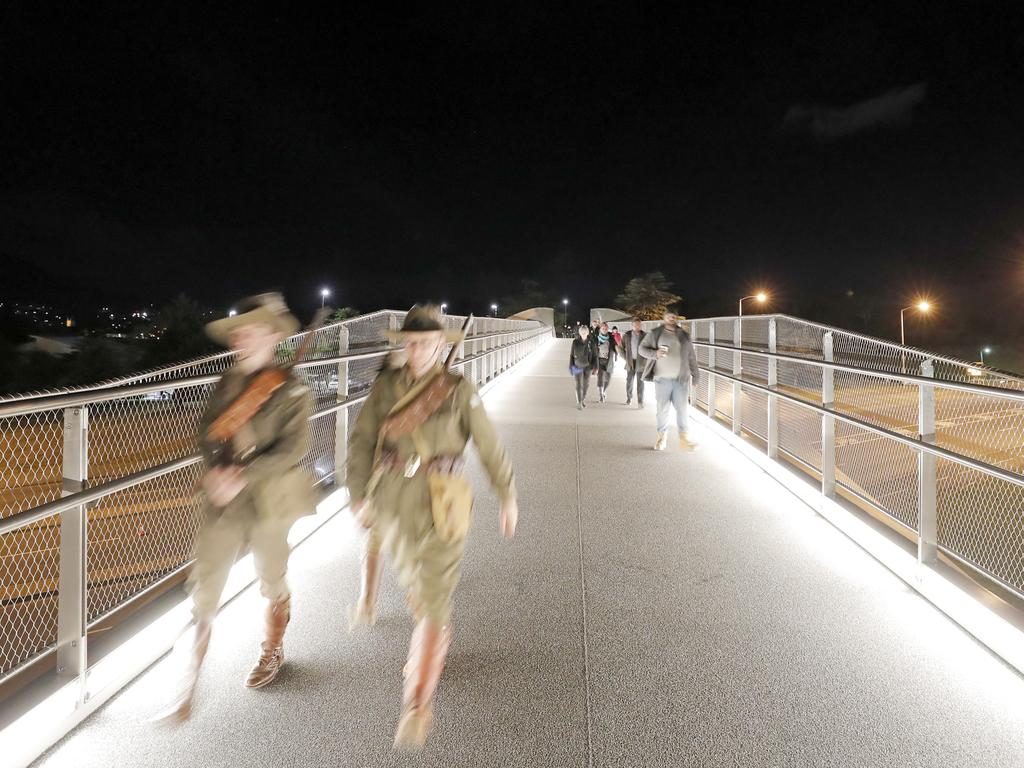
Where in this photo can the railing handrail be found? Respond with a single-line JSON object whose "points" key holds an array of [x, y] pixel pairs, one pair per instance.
{"points": [[891, 345], [974, 389], [48, 402], [206, 360]]}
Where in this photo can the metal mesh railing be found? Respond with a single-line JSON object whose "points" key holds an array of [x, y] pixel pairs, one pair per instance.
{"points": [[29, 579], [901, 426], [135, 440]]}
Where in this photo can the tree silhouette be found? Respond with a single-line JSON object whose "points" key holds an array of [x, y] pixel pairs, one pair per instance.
{"points": [[344, 313], [648, 296], [181, 328]]}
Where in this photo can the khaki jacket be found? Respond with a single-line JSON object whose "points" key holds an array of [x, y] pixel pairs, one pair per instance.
{"points": [[277, 486], [460, 418]]}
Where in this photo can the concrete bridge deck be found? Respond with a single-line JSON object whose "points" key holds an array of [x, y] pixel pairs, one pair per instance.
{"points": [[655, 609]]}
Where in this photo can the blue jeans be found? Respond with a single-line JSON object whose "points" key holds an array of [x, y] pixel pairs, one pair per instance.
{"points": [[676, 393]]}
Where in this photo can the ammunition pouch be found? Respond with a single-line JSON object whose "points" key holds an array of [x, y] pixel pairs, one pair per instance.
{"points": [[451, 505]]}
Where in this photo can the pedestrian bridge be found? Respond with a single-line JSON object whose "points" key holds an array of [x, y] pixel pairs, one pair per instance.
{"points": [[654, 609]]}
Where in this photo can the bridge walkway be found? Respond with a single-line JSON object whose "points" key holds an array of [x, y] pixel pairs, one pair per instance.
{"points": [[655, 609]]}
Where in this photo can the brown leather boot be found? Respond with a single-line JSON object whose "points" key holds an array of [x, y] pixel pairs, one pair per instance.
{"points": [[364, 612], [180, 708], [427, 651], [272, 655]]}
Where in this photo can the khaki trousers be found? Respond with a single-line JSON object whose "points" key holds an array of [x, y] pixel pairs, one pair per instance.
{"points": [[221, 539], [427, 566]]}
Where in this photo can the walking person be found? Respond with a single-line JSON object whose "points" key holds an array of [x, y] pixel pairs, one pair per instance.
{"points": [[672, 365], [254, 485], [635, 364], [606, 349], [616, 335], [582, 359], [405, 477]]}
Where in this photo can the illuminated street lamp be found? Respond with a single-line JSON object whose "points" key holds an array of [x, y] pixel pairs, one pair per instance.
{"points": [[444, 308], [494, 309], [924, 307], [985, 351], [565, 306], [324, 293], [232, 312], [761, 297]]}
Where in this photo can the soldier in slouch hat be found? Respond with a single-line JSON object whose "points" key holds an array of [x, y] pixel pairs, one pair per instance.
{"points": [[253, 436], [405, 478]]}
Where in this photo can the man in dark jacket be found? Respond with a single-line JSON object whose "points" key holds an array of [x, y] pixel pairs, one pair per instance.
{"points": [[635, 364], [582, 360], [672, 362]]}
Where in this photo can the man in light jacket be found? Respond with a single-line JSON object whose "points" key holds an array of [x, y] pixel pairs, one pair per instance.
{"points": [[671, 362], [635, 364]]}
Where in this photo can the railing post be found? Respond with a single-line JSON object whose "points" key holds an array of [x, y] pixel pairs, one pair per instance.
{"points": [[73, 579], [711, 368], [927, 533], [341, 417], [737, 371], [828, 423], [773, 400]]}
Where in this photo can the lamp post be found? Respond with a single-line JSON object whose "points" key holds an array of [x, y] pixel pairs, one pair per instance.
{"points": [[232, 312], [923, 307], [444, 308], [761, 297], [565, 309], [494, 309], [985, 351], [324, 293]]}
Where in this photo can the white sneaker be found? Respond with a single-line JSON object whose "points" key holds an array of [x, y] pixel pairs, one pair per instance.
{"points": [[661, 442], [686, 444]]}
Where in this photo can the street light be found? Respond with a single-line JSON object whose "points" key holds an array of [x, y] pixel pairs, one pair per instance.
{"points": [[923, 307], [494, 309], [232, 312], [761, 297], [324, 293], [444, 308], [565, 306], [985, 351]]}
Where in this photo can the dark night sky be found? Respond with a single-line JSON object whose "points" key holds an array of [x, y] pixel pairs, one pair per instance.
{"points": [[448, 153]]}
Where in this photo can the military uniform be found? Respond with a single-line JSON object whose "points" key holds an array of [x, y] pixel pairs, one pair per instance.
{"points": [[399, 511], [267, 448], [277, 492], [392, 475]]}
